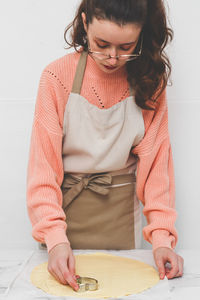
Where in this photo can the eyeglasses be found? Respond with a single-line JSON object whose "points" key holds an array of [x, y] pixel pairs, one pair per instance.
{"points": [[125, 57]]}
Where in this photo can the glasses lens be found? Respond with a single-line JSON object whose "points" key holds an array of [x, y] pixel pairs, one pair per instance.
{"points": [[99, 56], [121, 57], [127, 57], [132, 58]]}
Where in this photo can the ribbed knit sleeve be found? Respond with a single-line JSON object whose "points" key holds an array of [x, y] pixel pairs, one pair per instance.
{"points": [[155, 179], [45, 168]]}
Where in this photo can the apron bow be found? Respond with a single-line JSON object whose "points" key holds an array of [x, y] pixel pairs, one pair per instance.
{"points": [[99, 183]]}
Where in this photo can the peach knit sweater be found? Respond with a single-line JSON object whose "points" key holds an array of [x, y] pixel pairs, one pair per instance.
{"points": [[155, 174]]}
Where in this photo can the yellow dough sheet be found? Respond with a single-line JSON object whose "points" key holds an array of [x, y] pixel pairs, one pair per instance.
{"points": [[117, 276]]}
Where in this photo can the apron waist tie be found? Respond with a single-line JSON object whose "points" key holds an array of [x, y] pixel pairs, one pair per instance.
{"points": [[99, 183]]}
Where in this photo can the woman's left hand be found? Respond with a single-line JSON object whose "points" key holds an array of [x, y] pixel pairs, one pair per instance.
{"points": [[165, 255]]}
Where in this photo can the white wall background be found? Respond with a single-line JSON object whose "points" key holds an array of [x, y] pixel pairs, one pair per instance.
{"points": [[31, 36]]}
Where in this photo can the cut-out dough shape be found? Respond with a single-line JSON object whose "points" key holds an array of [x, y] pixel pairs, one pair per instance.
{"points": [[117, 276]]}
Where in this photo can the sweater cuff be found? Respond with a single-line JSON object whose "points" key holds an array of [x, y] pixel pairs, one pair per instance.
{"points": [[55, 237], [162, 238]]}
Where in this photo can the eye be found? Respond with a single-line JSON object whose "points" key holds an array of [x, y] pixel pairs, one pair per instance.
{"points": [[101, 46], [126, 47]]}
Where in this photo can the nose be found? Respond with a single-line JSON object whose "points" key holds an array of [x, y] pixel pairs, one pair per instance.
{"points": [[113, 59]]}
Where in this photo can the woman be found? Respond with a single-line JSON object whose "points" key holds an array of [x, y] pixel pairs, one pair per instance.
{"points": [[101, 123]]}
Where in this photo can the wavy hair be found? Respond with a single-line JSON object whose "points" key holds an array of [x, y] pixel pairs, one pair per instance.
{"points": [[149, 73]]}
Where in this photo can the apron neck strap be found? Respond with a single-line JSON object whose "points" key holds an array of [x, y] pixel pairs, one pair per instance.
{"points": [[78, 79], [131, 91]]}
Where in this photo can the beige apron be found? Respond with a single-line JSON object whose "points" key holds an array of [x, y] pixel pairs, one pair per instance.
{"points": [[99, 199], [99, 181]]}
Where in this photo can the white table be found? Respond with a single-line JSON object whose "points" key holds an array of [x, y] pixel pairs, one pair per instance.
{"points": [[16, 265]]}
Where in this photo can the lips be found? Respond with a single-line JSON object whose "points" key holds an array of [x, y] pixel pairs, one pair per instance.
{"points": [[110, 67]]}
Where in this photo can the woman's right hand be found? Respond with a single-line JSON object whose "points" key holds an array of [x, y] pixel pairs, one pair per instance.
{"points": [[61, 265]]}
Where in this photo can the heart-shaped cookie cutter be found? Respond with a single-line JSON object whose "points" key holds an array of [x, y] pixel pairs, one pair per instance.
{"points": [[87, 284]]}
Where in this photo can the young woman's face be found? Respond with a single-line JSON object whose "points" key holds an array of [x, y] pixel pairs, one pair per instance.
{"points": [[110, 38]]}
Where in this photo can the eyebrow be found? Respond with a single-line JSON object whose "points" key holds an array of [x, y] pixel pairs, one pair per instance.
{"points": [[120, 44]]}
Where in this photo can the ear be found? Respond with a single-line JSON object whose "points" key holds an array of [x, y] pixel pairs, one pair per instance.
{"points": [[83, 15]]}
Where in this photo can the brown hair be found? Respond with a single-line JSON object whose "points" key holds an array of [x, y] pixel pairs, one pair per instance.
{"points": [[149, 73]]}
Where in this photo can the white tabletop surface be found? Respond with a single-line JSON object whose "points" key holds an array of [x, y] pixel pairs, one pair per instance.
{"points": [[17, 264]]}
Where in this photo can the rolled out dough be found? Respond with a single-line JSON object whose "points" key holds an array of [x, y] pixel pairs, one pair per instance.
{"points": [[117, 276]]}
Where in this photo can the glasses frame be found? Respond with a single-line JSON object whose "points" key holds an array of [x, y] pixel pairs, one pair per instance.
{"points": [[119, 57]]}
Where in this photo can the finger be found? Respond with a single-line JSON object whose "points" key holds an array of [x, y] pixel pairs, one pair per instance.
{"points": [[71, 281], [55, 272], [180, 266], [174, 266], [71, 264], [181, 263], [161, 267], [68, 276], [167, 270], [59, 277]]}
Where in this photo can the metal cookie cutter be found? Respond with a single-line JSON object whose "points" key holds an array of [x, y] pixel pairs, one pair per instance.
{"points": [[87, 284]]}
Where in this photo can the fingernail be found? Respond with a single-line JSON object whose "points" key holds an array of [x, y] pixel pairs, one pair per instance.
{"points": [[161, 276]]}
